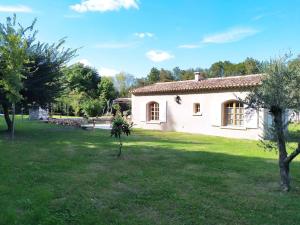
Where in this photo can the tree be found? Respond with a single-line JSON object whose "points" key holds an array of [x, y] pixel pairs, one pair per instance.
{"points": [[123, 83], [82, 89], [278, 92], [14, 42], [187, 74], [252, 66], [43, 82], [177, 73], [119, 127], [83, 79], [107, 92], [165, 75], [153, 76], [34, 68]]}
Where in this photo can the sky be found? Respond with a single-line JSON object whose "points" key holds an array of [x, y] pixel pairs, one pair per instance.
{"points": [[135, 35]]}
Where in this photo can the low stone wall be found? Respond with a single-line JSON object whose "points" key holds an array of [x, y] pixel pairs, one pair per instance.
{"points": [[67, 122]]}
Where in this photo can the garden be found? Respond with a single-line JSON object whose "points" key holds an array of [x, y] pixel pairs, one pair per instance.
{"points": [[54, 174]]}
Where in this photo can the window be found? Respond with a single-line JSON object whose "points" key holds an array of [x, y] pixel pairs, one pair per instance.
{"points": [[196, 108], [153, 108], [234, 113]]}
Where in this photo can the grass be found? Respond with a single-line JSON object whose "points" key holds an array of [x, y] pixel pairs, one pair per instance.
{"points": [[55, 175]]}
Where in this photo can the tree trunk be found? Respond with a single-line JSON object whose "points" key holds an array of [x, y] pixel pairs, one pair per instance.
{"points": [[8, 121], [120, 147], [13, 121], [284, 166]]}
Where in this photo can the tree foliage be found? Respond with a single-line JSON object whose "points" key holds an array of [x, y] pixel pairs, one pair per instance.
{"points": [[14, 44], [83, 79], [30, 72], [119, 127], [153, 76], [44, 76]]}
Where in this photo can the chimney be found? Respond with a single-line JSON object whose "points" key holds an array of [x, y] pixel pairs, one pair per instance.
{"points": [[199, 76]]}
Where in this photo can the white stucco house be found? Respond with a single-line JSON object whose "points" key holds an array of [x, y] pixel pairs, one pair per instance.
{"points": [[205, 106]]}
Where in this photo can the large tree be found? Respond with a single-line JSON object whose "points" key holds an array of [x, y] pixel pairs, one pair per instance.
{"points": [[153, 76], [81, 78], [14, 43], [107, 93], [82, 89], [44, 75], [30, 72], [279, 92], [165, 75]]}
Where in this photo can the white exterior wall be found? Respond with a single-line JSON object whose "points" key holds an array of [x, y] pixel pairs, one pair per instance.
{"points": [[180, 117]]}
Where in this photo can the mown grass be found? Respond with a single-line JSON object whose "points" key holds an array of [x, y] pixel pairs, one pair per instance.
{"points": [[57, 175]]}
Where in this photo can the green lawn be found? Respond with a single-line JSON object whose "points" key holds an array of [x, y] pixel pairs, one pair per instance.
{"points": [[56, 175]]}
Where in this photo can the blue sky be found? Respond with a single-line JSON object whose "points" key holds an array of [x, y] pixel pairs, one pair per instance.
{"points": [[135, 35]]}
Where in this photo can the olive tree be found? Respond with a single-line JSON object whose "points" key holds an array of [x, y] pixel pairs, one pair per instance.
{"points": [[279, 92]]}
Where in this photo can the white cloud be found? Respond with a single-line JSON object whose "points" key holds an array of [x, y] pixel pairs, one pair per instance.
{"points": [[190, 46], [104, 5], [15, 9], [103, 71], [231, 35], [158, 56], [85, 62], [113, 45], [144, 34]]}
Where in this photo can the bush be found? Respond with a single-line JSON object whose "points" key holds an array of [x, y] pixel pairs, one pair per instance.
{"points": [[120, 126]]}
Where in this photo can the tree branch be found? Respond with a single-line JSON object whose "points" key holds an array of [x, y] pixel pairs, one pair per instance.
{"points": [[292, 155]]}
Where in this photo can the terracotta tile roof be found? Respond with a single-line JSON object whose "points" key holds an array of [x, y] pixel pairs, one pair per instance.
{"points": [[209, 84]]}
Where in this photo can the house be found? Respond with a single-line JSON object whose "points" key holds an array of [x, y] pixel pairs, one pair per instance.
{"points": [[206, 106]]}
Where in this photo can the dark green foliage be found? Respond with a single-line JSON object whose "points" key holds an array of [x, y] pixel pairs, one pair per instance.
{"points": [[92, 107], [107, 89], [83, 79], [86, 92], [30, 72], [82, 90], [165, 75], [226, 68], [153, 76], [119, 127], [218, 69], [44, 77]]}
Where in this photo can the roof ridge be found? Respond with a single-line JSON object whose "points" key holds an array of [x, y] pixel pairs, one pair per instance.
{"points": [[210, 78], [205, 84], [246, 75]]}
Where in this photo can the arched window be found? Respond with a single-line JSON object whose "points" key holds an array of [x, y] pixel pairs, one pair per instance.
{"points": [[233, 113], [153, 111]]}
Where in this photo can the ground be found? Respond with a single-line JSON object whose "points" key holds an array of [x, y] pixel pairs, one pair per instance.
{"points": [[57, 175]]}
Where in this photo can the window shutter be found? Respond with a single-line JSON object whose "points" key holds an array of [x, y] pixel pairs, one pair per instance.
{"points": [[163, 111], [251, 118], [143, 112], [216, 116]]}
